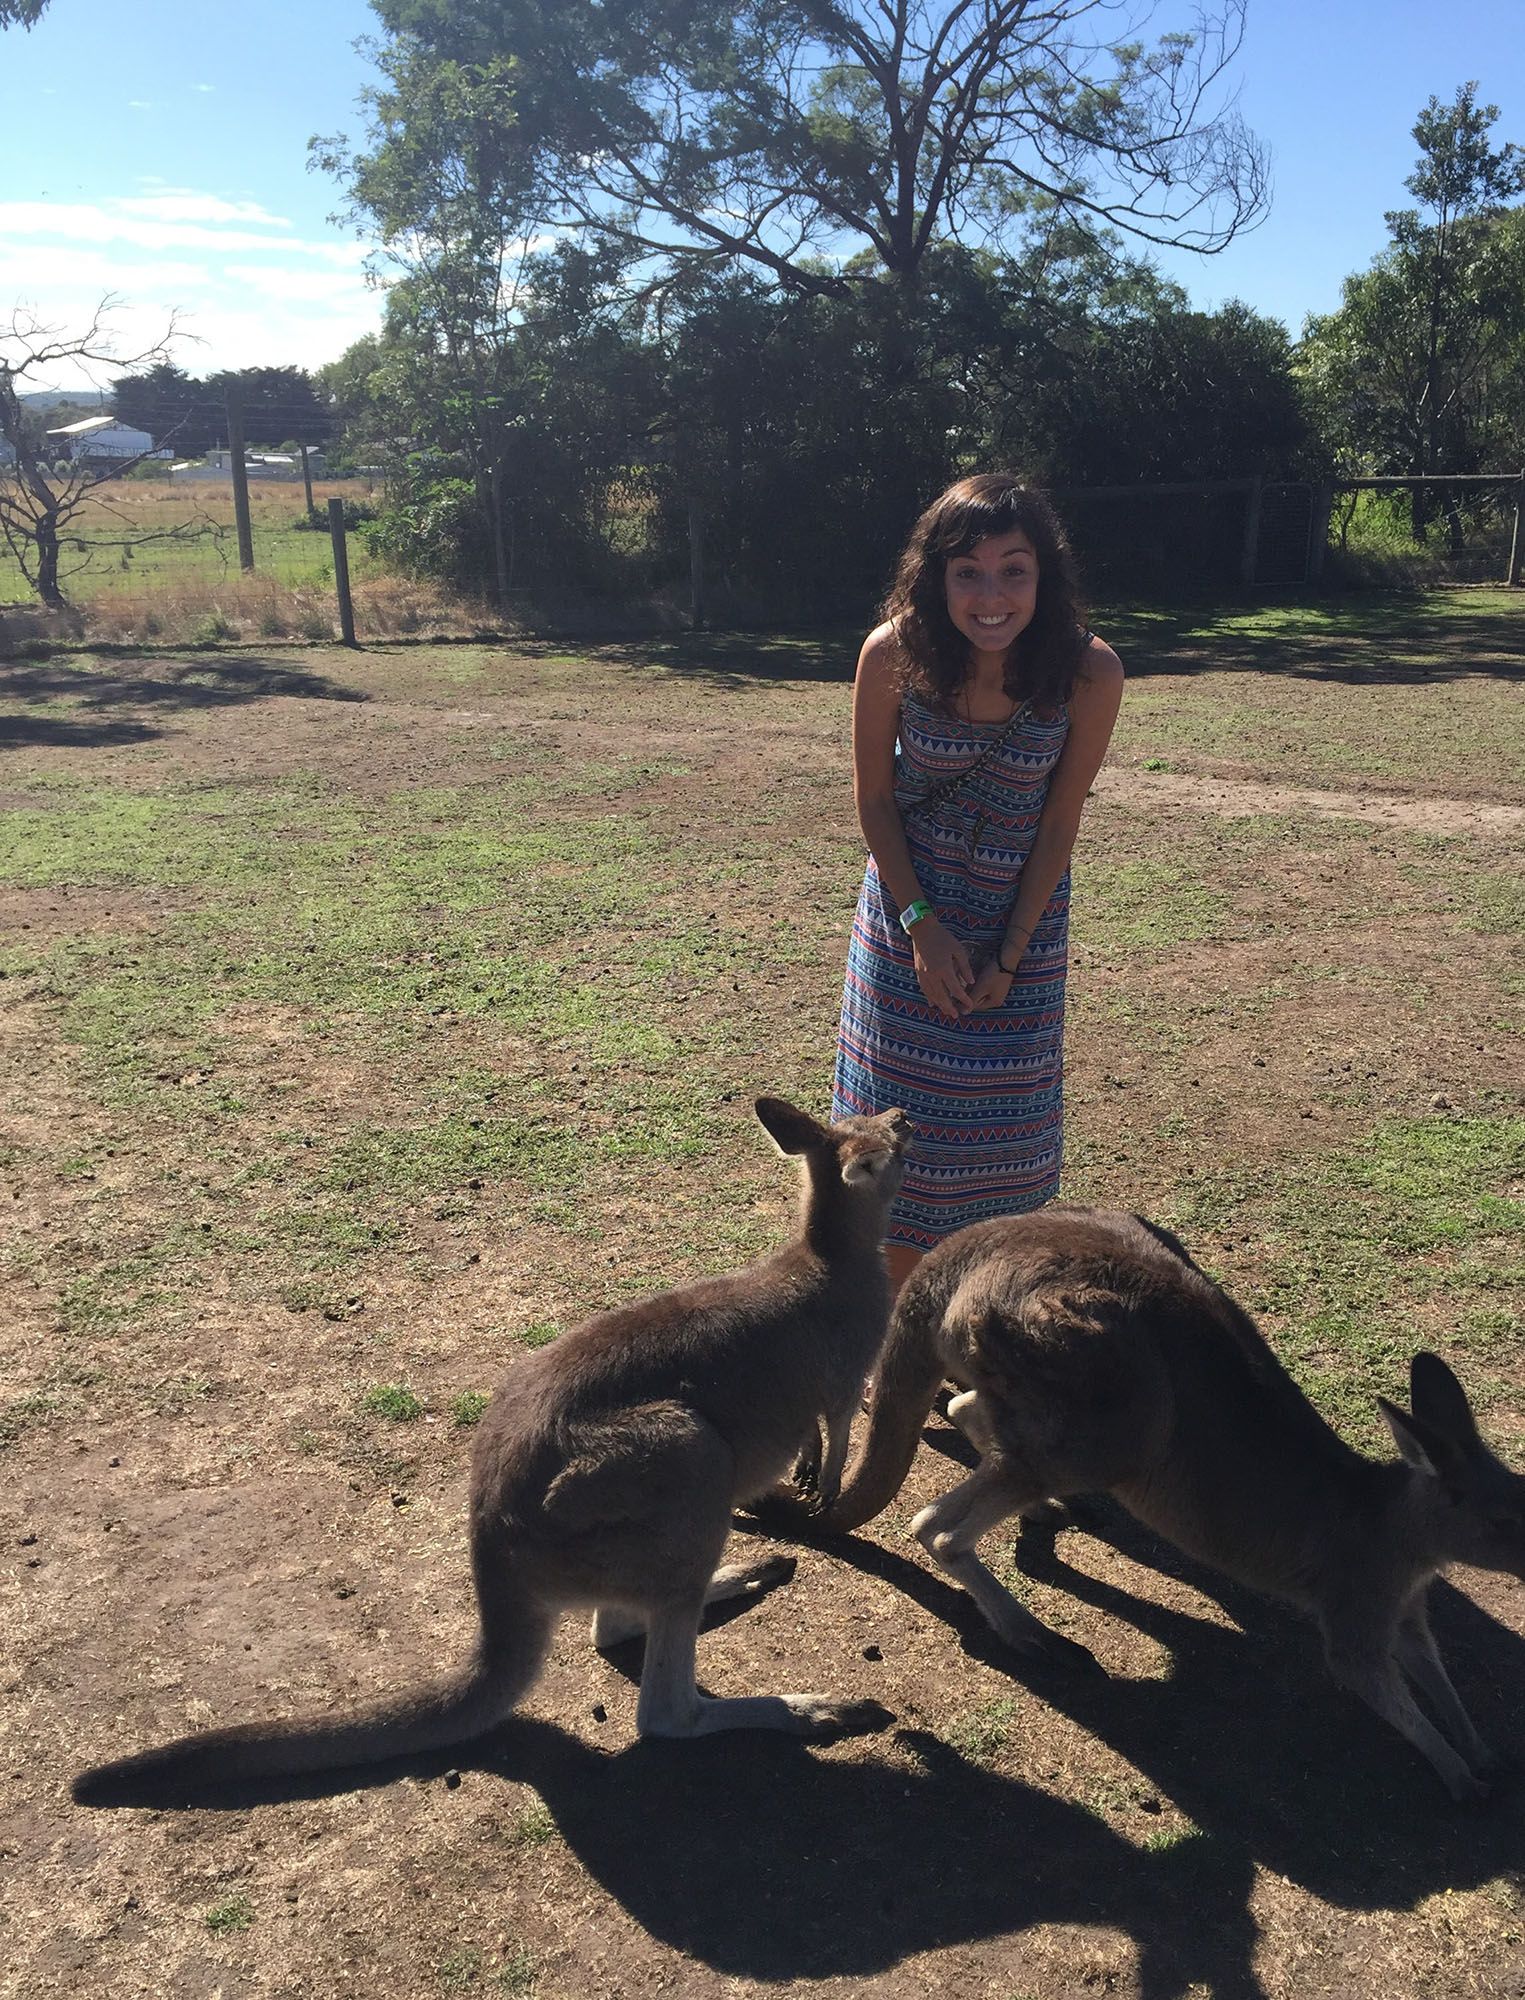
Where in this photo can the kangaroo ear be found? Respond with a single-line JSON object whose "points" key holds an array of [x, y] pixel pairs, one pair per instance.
{"points": [[790, 1130], [1439, 1400], [1429, 1449], [1409, 1437]]}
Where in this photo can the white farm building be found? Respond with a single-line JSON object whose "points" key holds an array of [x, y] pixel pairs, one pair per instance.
{"points": [[101, 437]]}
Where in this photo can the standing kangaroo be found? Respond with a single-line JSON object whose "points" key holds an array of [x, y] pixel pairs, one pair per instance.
{"points": [[1095, 1356], [604, 1477]]}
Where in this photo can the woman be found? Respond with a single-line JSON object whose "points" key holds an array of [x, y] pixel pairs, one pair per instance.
{"points": [[981, 714]]}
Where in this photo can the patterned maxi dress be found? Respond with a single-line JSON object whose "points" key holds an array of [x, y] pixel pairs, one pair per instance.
{"points": [[985, 1092]]}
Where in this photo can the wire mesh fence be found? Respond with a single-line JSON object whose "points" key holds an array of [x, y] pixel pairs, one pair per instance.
{"points": [[159, 559]]}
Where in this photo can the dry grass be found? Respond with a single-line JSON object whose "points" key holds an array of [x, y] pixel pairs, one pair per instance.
{"points": [[193, 592], [239, 607]]}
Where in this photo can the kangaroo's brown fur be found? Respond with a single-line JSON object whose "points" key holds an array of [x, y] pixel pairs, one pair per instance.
{"points": [[1095, 1356], [605, 1473]]}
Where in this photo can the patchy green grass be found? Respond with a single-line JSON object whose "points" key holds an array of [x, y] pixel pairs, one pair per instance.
{"points": [[534, 1827], [392, 1400], [981, 1734], [1377, 683], [233, 1914], [1413, 1237]]}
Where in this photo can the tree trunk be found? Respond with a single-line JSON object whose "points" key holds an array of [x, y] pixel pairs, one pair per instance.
{"points": [[45, 540]]}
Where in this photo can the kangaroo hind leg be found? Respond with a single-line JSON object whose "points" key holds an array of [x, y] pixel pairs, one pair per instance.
{"points": [[950, 1529], [671, 1705]]}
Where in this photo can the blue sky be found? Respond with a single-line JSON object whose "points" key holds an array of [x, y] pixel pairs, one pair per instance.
{"points": [[159, 151]]}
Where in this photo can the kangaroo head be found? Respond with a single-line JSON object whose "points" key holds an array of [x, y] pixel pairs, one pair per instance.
{"points": [[865, 1153], [1483, 1502]]}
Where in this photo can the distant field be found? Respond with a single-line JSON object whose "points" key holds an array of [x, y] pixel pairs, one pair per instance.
{"points": [[283, 549]]}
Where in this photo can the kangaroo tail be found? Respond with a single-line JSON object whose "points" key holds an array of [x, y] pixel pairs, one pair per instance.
{"points": [[454, 1711], [910, 1373]]}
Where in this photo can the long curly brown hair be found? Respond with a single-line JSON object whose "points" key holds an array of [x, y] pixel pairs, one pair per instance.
{"points": [[1041, 666]]}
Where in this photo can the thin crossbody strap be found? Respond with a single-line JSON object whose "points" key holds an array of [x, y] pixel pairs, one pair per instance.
{"points": [[942, 789]]}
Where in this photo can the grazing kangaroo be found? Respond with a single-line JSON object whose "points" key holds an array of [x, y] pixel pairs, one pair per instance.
{"points": [[605, 1474], [1094, 1356]]}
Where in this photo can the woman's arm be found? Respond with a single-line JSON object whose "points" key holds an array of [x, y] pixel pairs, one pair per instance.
{"points": [[1093, 712], [942, 965]]}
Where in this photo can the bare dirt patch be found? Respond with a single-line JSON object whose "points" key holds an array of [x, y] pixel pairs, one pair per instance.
{"points": [[1242, 798], [608, 894]]}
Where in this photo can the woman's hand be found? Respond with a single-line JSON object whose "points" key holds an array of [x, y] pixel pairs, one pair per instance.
{"points": [[990, 989], [943, 971]]}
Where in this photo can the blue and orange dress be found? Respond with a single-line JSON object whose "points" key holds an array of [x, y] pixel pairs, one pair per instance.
{"points": [[985, 1092]]}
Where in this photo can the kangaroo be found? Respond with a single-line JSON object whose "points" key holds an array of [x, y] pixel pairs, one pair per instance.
{"points": [[1093, 1355], [604, 1476]]}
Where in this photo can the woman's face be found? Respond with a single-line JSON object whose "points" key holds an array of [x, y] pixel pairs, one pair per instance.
{"points": [[993, 591]]}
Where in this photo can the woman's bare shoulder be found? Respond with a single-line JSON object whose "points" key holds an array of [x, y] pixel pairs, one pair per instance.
{"points": [[882, 663], [882, 649], [1099, 665]]}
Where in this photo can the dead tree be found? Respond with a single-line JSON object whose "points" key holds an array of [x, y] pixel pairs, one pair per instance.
{"points": [[40, 503]]}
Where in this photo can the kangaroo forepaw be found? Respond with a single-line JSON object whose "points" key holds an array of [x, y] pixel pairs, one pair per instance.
{"points": [[1497, 1767], [1473, 1794]]}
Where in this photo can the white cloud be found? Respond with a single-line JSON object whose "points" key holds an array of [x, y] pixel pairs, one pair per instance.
{"points": [[316, 287], [203, 86], [244, 290], [177, 220], [174, 204]]}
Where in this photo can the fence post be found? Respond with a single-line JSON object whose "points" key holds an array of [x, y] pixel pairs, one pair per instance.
{"points": [[240, 477], [341, 571], [696, 561], [1318, 531], [499, 541], [1251, 553], [307, 483], [1517, 541]]}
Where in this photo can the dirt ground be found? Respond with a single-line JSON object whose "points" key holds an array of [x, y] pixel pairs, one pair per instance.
{"points": [[371, 1016]]}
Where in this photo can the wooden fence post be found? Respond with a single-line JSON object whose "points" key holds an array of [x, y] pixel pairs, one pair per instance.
{"points": [[1517, 541], [1251, 551], [235, 403], [499, 540], [307, 484], [341, 571], [696, 562], [1318, 531]]}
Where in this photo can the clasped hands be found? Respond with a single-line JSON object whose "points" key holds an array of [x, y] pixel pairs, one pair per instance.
{"points": [[947, 976]]}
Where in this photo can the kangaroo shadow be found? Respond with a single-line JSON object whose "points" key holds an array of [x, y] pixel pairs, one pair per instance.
{"points": [[765, 1860], [1251, 1738]]}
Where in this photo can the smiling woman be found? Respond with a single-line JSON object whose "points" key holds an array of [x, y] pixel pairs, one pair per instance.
{"points": [[981, 714]]}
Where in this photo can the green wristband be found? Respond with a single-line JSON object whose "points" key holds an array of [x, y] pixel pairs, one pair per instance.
{"points": [[913, 913]]}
